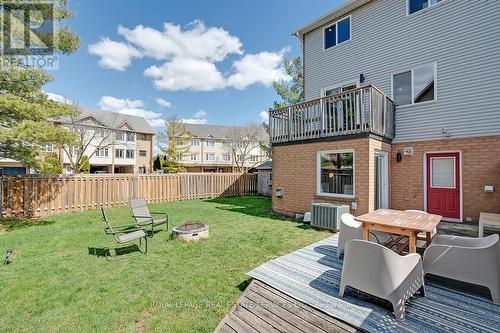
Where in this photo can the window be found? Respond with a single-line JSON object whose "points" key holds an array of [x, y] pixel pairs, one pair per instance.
{"points": [[142, 170], [120, 136], [129, 153], [443, 172], [130, 136], [210, 143], [194, 157], [416, 5], [195, 142], [336, 173], [414, 86], [226, 157], [337, 33], [144, 136], [47, 148], [210, 157], [119, 153], [101, 152], [254, 158], [143, 153], [225, 143], [75, 150]]}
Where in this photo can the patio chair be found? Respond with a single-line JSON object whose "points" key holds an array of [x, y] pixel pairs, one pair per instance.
{"points": [[352, 229], [378, 271], [468, 259], [124, 233], [144, 218]]}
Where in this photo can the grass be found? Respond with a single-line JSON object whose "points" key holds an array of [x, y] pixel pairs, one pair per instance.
{"points": [[54, 284]]}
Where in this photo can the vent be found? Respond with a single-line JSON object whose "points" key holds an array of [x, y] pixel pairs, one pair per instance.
{"points": [[327, 216]]}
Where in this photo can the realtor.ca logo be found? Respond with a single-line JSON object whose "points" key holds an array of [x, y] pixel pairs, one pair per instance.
{"points": [[28, 34]]}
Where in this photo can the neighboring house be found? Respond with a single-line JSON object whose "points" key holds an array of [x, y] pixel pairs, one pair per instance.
{"points": [[211, 148], [118, 143], [402, 110]]}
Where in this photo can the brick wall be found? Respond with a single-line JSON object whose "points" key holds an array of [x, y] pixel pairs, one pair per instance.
{"points": [[480, 166], [295, 170]]}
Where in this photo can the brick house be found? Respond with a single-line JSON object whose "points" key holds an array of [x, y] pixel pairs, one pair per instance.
{"points": [[401, 111]]}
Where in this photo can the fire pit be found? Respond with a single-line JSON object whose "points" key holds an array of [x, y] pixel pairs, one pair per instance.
{"points": [[191, 230]]}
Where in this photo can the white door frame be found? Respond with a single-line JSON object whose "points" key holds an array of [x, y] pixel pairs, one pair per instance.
{"points": [[460, 158], [384, 179]]}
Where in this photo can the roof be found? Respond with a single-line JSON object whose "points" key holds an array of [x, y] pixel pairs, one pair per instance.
{"points": [[213, 131], [341, 10], [114, 120], [267, 165]]}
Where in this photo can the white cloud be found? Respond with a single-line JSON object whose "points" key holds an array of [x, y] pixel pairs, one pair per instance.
{"points": [[263, 68], [114, 55], [163, 103], [130, 107], [264, 116], [195, 41], [58, 98], [198, 118], [186, 74]]}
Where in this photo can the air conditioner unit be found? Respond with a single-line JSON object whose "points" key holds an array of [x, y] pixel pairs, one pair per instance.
{"points": [[327, 216]]}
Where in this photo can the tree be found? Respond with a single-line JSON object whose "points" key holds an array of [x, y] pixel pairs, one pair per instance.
{"points": [[174, 143], [51, 164], [25, 111], [241, 141], [157, 163], [85, 167], [291, 92]]}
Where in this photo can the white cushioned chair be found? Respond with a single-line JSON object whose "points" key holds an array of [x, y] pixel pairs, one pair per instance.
{"points": [[473, 260], [377, 270], [352, 229]]}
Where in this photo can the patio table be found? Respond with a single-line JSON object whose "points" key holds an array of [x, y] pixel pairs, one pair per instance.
{"points": [[402, 223]]}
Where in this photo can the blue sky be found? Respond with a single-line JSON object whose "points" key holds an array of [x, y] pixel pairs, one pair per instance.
{"points": [[213, 63]]}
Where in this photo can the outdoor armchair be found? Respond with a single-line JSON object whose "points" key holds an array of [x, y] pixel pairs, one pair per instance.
{"points": [[145, 218], [124, 233], [378, 271], [473, 260], [352, 229]]}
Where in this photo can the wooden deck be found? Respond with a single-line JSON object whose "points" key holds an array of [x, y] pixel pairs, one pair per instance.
{"points": [[263, 308]]}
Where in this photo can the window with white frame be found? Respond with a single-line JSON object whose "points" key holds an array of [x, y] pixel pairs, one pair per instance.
{"points": [[120, 136], [143, 153], [129, 153], [102, 152], [254, 158], [225, 143], [417, 5], [226, 157], [119, 153], [195, 142], [194, 157], [130, 136], [336, 173], [414, 86], [210, 157], [210, 143], [47, 148], [337, 33]]}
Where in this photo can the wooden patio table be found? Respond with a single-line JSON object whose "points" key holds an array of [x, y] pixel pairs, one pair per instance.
{"points": [[401, 223]]}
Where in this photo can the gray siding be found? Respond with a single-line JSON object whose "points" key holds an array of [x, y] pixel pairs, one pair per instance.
{"points": [[463, 37]]}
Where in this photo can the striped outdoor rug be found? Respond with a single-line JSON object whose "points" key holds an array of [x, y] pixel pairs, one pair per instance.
{"points": [[312, 275]]}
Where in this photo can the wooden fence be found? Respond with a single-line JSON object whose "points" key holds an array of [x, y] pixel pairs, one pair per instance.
{"points": [[39, 195]]}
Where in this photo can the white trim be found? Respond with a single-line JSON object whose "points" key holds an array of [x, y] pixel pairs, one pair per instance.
{"points": [[412, 70], [318, 174], [461, 181], [454, 172], [339, 85], [435, 5], [385, 155], [337, 32]]}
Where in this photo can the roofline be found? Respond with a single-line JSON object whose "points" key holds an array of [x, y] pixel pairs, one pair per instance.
{"points": [[341, 10]]}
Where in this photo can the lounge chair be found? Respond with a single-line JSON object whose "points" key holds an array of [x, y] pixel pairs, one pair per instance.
{"points": [[352, 229], [378, 271], [468, 259], [124, 233], [144, 218]]}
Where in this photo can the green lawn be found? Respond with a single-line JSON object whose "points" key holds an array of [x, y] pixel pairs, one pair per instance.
{"points": [[54, 284]]}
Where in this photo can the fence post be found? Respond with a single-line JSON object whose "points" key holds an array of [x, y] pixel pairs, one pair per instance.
{"points": [[1, 193]]}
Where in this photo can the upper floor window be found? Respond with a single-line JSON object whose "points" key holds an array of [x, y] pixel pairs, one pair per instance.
{"points": [[254, 158], [144, 136], [101, 152], [143, 153], [195, 142], [210, 157], [131, 136], [210, 143], [119, 153], [414, 86], [416, 5], [194, 157], [48, 148], [225, 143], [338, 32], [120, 136], [226, 157], [129, 153]]}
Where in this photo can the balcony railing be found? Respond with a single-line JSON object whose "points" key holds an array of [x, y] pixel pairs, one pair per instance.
{"points": [[361, 110]]}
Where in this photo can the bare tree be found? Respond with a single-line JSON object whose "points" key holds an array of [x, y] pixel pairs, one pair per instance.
{"points": [[90, 138], [241, 141]]}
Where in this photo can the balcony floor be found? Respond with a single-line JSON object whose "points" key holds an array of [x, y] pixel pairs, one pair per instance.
{"points": [[312, 275]]}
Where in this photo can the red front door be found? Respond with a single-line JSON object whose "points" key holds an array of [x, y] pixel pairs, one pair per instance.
{"points": [[443, 184]]}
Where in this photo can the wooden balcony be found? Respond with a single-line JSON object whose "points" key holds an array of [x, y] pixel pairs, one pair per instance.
{"points": [[361, 110]]}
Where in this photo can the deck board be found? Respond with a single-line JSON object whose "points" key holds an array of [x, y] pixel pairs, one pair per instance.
{"points": [[262, 308]]}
